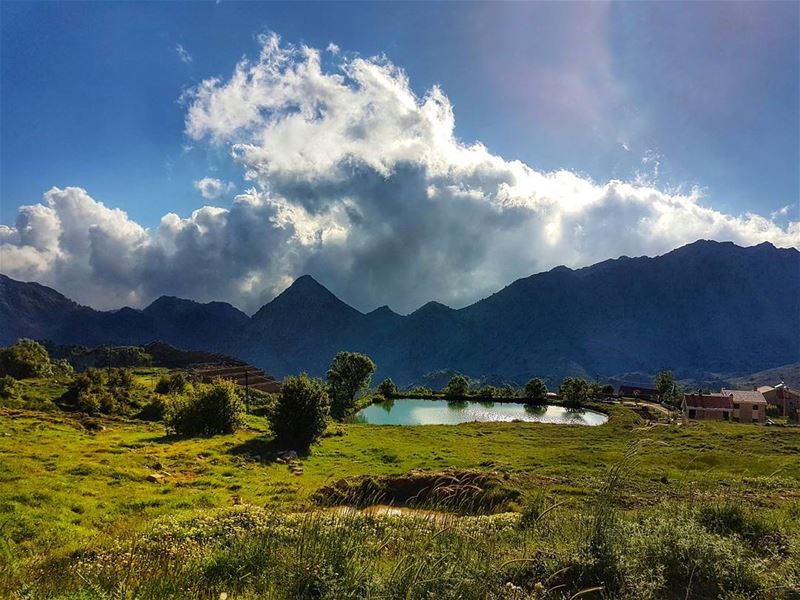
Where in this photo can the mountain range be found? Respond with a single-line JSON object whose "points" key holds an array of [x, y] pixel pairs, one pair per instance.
{"points": [[708, 307]]}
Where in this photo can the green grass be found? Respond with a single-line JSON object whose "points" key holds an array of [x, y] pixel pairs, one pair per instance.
{"points": [[65, 488]]}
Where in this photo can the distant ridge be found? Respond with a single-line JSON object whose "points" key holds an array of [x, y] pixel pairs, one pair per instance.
{"points": [[705, 307]]}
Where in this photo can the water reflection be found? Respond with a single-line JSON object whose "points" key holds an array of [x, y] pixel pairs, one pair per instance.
{"points": [[432, 412]]}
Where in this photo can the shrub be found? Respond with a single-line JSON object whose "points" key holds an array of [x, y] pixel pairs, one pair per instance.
{"points": [[536, 391], [421, 390], [262, 403], [731, 518], [25, 359], [154, 410], [458, 386], [300, 415], [508, 391], [216, 408], [9, 388], [349, 373], [120, 379], [488, 391], [387, 388], [575, 392], [62, 369], [174, 383], [95, 401]]}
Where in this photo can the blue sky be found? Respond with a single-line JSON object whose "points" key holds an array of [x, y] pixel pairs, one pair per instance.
{"points": [[698, 101], [90, 90]]}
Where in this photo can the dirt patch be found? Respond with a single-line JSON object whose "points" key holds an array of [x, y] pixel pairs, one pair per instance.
{"points": [[459, 491]]}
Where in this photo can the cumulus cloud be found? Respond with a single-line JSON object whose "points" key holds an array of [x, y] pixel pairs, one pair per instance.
{"points": [[212, 189], [366, 186]]}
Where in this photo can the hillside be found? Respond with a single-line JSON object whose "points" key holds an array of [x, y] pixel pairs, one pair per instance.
{"points": [[707, 307], [789, 374]]}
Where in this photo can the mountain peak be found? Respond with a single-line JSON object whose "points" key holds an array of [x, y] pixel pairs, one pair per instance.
{"points": [[432, 308], [168, 301], [305, 293], [383, 311], [306, 284]]}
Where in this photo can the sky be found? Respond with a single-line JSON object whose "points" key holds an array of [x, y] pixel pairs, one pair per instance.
{"points": [[397, 152]]}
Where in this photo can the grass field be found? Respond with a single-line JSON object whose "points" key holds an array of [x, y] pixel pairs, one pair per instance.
{"points": [[68, 484]]}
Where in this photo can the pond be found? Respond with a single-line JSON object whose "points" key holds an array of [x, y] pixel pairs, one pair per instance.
{"points": [[407, 411]]}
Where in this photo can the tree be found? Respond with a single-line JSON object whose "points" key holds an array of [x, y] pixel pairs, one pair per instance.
{"points": [[508, 391], [174, 383], [26, 358], [301, 413], [216, 408], [665, 384], [488, 391], [575, 392], [457, 387], [387, 388], [536, 391], [348, 374]]}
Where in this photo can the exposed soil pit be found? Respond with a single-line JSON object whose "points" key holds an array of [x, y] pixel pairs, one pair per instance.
{"points": [[455, 491]]}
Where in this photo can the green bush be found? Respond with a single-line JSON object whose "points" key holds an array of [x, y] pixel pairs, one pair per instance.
{"points": [[488, 391], [96, 401], [457, 387], [154, 410], [387, 388], [684, 560], [9, 388], [300, 416], [575, 392], [731, 518], [215, 408], [120, 379], [508, 391], [348, 374], [261, 403], [536, 391], [174, 383], [25, 359]]}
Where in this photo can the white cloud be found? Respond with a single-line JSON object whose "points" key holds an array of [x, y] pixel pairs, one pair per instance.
{"points": [[333, 48], [783, 212], [211, 188], [364, 185], [183, 54]]}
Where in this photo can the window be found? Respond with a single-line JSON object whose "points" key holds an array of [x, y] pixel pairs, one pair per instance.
{"points": [[736, 405], [692, 413], [726, 416]]}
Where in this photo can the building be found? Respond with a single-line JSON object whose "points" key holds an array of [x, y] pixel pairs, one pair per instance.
{"points": [[749, 406], [739, 406], [638, 391], [715, 407], [782, 396]]}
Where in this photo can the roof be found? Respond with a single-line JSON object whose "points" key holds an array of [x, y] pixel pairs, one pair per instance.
{"points": [[751, 396], [708, 401], [765, 388]]}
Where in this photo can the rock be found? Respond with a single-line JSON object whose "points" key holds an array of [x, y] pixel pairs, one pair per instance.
{"points": [[155, 477], [289, 455]]}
